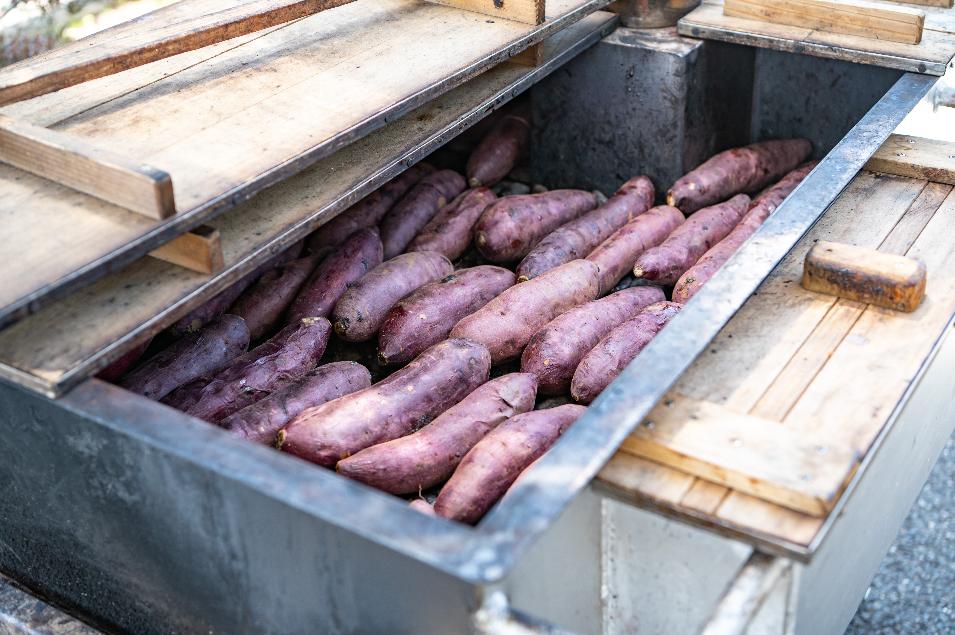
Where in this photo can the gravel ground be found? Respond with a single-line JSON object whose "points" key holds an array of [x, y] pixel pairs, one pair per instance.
{"points": [[914, 590]]}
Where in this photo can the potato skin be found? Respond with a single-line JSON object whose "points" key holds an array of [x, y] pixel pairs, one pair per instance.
{"points": [[498, 151], [760, 209], [426, 316], [264, 303], [450, 232], [427, 457], [738, 170], [554, 352], [510, 227], [665, 263], [398, 405], [403, 222], [344, 266], [115, 371], [615, 256], [579, 237], [506, 323], [261, 421], [618, 348], [358, 314], [193, 356], [489, 469]]}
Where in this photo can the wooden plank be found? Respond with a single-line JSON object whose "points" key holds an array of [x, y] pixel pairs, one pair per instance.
{"points": [[916, 157], [199, 250], [632, 476], [527, 11], [77, 164], [530, 56], [848, 17], [704, 496], [39, 77], [754, 516], [944, 4]]}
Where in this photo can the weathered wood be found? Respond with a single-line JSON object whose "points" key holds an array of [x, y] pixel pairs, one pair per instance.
{"points": [[944, 4], [527, 11], [917, 157], [530, 56], [199, 250]]}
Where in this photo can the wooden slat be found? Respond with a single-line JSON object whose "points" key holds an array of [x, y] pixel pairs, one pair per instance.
{"points": [[528, 11], [77, 164], [199, 250], [917, 157], [944, 4], [633, 476]]}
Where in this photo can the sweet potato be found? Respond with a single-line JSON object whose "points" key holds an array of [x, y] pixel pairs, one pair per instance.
{"points": [[423, 506], [499, 151], [506, 323], [665, 263], [192, 356], [403, 222], [425, 317], [509, 228], [367, 212], [398, 405], [553, 353], [114, 371], [358, 314], [343, 267], [264, 303], [618, 348], [489, 469], [581, 236], [615, 256], [760, 209], [735, 171], [451, 230], [428, 457], [239, 387], [261, 421]]}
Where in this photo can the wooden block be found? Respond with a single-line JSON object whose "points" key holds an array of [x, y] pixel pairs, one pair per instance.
{"points": [[945, 4], [531, 56], [527, 11], [855, 17], [199, 250], [865, 275], [72, 162], [916, 157]]}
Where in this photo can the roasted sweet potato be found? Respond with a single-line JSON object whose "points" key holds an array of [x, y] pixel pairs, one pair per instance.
{"points": [[264, 303], [403, 222], [507, 322], [451, 231], [358, 314], [618, 348], [343, 267], [760, 209], [113, 372], [615, 256], [665, 263], [553, 353], [510, 227], [581, 236], [489, 469], [367, 212], [428, 457], [398, 405], [261, 421], [192, 356], [426, 316], [736, 171], [499, 151]]}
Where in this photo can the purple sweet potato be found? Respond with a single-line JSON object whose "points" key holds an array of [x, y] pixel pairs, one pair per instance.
{"points": [[554, 352], [423, 506], [343, 267], [114, 371], [358, 314], [760, 209], [506, 323], [426, 316], [261, 421], [239, 387], [450, 232], [400, 404], [367, 212], [192, 356], [509, 228], [428, 457], [264, 303], [581, 236], [665, 263], [499, 151], [615, 256], [417, 208], [618, 348], [489, 469], [735, 171]]}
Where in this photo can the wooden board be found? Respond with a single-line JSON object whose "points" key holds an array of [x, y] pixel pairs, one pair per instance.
{"points": [[50, 353], [917, 157], [308, 88], [527, 11], [199, 250]]}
